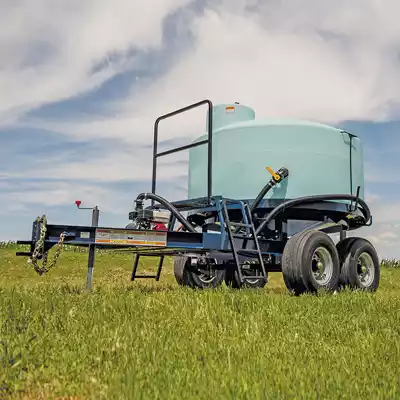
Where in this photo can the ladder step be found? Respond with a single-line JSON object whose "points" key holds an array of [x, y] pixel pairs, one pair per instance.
{"points": [[254, 277], [247, 251], [24, 253], [160, 263], [236, 250], [248, 237], [136, 265], [241, 225]]}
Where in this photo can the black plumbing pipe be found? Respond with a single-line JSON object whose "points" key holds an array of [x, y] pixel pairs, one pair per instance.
{"points": [[168, 206], [313, 199]]}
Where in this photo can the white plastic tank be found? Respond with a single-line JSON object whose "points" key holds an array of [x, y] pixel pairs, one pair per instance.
{"points": [[321, 159]]}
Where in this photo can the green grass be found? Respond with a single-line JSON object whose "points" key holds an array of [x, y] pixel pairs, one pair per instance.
{"points": [[156, 340]]}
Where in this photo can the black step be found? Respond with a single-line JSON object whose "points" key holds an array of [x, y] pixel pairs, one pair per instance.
{"points": [[136, 265], [23, 253], [254, 277], [241, 225], [247, 237], [253, 251], [238, 249]]}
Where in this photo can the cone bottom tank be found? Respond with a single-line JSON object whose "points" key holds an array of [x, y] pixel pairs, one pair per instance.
{"points": [[321, 159]]}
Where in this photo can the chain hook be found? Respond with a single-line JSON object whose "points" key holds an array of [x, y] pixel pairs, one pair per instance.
{"points": [[39, 252]]}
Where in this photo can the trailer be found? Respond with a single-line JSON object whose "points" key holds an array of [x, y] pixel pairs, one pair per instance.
{"points": [[232, 234]]}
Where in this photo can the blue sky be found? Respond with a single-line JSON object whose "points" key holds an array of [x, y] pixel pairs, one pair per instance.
{"points": [[82, 85]]}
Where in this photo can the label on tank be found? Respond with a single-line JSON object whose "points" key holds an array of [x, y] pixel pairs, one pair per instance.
{"points": [[230, 109]]}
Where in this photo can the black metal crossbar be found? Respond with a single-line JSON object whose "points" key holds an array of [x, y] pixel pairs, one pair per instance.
{"points": [[208, 141]]}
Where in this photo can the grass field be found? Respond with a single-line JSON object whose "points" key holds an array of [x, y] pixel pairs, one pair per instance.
{"points": [[156, 340]]}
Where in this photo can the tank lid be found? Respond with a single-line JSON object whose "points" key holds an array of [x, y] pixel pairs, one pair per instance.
{"points": [[227, 114]]}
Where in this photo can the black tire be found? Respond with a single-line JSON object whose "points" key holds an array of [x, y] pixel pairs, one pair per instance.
{"points": [[355, 255], [342, 247], [297, 262], [232, 280], [179, 265], [188, 275]]}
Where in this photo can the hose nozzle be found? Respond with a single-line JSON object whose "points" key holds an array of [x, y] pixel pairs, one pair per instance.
{"points": [[277, 176], [283, 172]]}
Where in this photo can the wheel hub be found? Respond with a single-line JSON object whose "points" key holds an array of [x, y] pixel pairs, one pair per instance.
{"points": [[365, 269], [248, 270], [322, 265], [205, 270]]}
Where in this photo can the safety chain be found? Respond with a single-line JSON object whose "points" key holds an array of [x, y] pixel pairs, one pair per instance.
{"points": [[39, 249]]}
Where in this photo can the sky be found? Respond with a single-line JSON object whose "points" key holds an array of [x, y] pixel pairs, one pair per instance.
{"points": [[82, 83]]}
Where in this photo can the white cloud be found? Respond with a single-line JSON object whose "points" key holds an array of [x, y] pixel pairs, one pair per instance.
{"points": [[277, 61], [286, 69], [114, 165], [48, 49]]}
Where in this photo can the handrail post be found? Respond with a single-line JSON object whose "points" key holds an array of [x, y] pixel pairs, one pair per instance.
{"points": [[208, 142]]}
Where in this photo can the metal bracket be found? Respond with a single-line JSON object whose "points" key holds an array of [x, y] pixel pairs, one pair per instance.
{"points": [[92, 247]]}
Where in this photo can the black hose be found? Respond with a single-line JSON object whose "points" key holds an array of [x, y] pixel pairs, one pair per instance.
{"points": [[283, 173], [313, 199], [168, 206], [258, 199], [262, 194]]}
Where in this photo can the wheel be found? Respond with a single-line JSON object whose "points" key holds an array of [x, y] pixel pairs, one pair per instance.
{"points": [[310, 262], [232, 278], [360, 265], [204, 274], [179, 264], [342, 247]]}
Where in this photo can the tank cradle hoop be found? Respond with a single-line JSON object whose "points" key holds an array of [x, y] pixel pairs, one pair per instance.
{"points": [[313, 199]]}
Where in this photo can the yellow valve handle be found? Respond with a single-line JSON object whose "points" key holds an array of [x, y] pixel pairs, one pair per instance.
{"points": [[274, 175]]}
